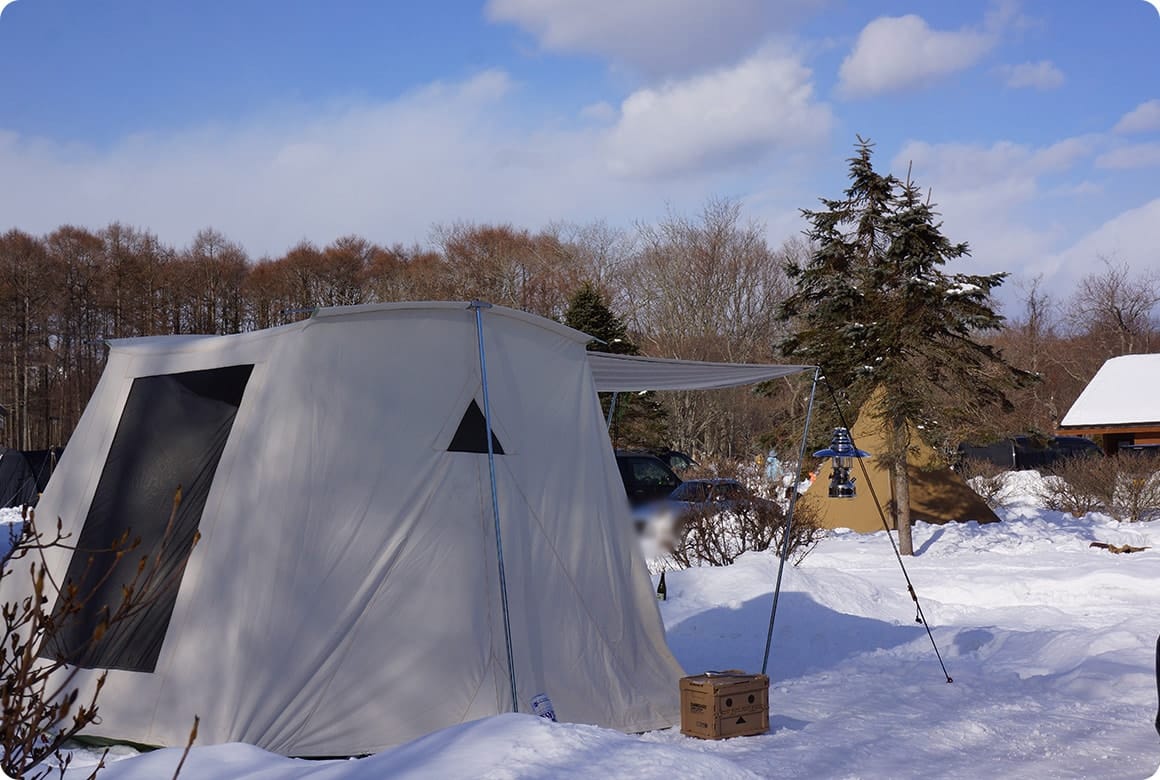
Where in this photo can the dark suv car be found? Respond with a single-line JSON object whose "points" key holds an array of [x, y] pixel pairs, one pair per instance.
{"points": [[678, 461], [646, 477], [1027, 452]]}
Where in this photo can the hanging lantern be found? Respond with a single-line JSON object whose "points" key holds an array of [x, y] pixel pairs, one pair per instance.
{"points": [[843, 451]]}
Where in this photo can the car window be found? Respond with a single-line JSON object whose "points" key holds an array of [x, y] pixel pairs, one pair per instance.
{"points": [[648, 470], [691, 491], [729, 491]]}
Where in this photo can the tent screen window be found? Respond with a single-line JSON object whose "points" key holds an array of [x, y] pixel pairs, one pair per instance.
{"points": [[171, 433]]}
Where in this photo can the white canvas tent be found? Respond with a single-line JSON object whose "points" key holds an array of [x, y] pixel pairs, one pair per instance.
{"points": [[344, 595]]}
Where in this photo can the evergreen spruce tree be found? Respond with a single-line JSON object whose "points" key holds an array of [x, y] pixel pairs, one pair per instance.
{"points": [[588, 312], [874, 308], [638, 421]]}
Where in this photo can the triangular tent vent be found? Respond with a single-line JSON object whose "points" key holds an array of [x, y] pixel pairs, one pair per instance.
{"points": [[471, 435]]}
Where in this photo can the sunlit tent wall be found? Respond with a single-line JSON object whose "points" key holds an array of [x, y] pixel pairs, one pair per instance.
{"points": [[1119, 404], [937, 494], [343, 595]]}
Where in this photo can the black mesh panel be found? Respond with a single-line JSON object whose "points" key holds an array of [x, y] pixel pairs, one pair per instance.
{"points": [[171, 433]]}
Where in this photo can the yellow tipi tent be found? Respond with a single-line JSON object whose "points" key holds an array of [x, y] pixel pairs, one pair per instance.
{"points": [[937, 494]]}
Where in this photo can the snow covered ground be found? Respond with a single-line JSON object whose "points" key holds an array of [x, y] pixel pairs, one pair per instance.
{"points": [[1050, 643]]}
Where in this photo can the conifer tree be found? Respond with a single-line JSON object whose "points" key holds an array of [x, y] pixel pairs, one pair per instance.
{"points": [[587, 312], [874, 308], [638, 420]]}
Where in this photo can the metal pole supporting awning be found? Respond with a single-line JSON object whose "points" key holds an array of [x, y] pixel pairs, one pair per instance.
{"points": [[478, 307], [622, 373]]}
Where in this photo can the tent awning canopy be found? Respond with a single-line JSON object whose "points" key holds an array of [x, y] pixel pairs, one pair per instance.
{"points": [[627, 373]]}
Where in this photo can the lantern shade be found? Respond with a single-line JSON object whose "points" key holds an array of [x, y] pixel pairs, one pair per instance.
{"points": [[841, 446]]}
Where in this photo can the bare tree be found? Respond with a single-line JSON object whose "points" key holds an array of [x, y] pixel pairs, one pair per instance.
{"points": [[1030, 339], [342, 272], [209, 277], [511, 267], [136, 262], [408, 274], [28, 280], [708, 288], [81, 316], [599, 253], [1116, 309]]}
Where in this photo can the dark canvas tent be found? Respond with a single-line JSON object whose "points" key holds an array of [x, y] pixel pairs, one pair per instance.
{"points": [[18, 486], [937, 494], [42, 463]]}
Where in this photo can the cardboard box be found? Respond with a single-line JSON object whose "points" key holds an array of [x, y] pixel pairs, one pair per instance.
{"points": [[718, 705]]}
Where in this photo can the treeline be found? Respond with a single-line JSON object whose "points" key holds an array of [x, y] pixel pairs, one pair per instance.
{"points": [[694, 287], [704, 287]]}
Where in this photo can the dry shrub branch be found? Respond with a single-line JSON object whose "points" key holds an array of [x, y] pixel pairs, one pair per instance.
{"points": [[986, 479], [43, 707], [1125, 486], [718, 539]]}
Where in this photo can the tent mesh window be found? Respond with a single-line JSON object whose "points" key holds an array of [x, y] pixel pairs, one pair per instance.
{"points": [[172, 431], [471, 435]]}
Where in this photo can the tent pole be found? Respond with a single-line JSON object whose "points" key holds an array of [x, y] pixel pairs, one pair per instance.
{"points": [[611, 410], [789, 518], [478, 307]]}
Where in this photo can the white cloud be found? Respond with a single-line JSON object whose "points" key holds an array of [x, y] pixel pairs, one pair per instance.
{"points": [[718, 118], [903, 52], [1143, 118], [1026, 210], [993, 198], [1131, 157], [1131, 237], [1035, 75], [661, 37], [1081, 189], [599, 112], [385, 171], [971, 166]]}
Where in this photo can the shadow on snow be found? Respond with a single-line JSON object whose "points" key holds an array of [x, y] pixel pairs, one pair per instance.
{"points": [[808, 637]]}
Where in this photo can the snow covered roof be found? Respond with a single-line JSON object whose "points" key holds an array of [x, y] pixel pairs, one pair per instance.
{"points": [[1123, 392]]}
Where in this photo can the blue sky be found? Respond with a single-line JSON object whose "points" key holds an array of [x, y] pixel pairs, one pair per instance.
{"points": [[1036, 123]]}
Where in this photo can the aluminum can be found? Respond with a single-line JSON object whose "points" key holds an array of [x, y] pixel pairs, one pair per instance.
{"points": [[542, 706]]}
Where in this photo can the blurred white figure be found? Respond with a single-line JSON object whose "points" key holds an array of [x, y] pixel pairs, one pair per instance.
{"points": [[773, 467]]}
